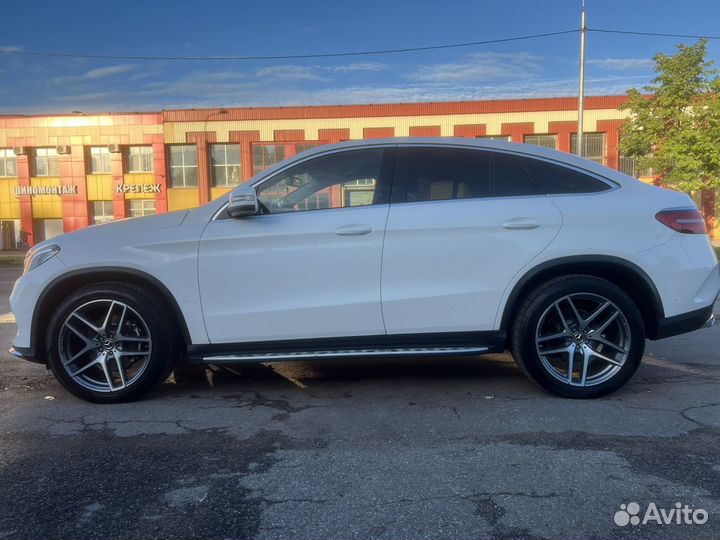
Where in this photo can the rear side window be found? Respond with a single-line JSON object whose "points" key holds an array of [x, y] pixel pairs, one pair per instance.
{"points": [[436, 174], [510, 178], [556, 179]]}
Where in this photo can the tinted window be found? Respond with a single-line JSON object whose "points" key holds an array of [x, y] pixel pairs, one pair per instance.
{"points": [[554, 179], [510, 178], [338, 180], [435, 174]]}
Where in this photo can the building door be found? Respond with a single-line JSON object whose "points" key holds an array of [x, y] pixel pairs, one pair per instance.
{"points": [[8, 235]]}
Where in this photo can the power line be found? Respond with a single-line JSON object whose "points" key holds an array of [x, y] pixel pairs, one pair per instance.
{"points": [[345, 53], [656, 34], [285, 56]]}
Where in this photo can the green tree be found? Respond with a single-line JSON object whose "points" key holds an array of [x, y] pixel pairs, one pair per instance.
{"points": [[674, 124]]}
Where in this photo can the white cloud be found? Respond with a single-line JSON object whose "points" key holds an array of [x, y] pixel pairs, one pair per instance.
{"points": [[479, 67], [10, 49], [79, 99], [93, 74], [99, 73], [622, 63], [288, 73], [360, 66]]}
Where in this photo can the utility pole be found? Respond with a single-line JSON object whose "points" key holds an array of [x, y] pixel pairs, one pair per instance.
{"points": [[581, 95]]}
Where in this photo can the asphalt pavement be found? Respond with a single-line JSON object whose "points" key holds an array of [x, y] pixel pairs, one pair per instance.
{"points": [[438, 448]]}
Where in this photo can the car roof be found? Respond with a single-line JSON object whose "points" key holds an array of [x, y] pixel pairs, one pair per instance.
{"points": [[520, 149], [479, 143]]}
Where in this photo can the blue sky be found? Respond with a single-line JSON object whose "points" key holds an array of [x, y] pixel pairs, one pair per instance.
{"points": [[538, 68]]}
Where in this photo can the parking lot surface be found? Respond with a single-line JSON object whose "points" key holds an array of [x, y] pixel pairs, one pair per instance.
{"points": [[428, 448]]}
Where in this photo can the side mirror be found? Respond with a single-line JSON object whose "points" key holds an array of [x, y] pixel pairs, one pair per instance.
{"points": [[243, 202]]}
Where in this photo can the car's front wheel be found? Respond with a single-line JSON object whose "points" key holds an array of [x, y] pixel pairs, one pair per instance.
{"points": [[578, 336], [111, 342]]}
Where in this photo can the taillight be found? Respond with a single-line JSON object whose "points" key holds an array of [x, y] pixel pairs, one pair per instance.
{"points": [[683, 220]]}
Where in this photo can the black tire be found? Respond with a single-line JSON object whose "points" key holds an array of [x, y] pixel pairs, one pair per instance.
{"points": [[538, 304], [163, 344]]}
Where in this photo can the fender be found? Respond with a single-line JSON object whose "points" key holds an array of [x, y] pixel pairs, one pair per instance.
{"points": [[597, 265], [138, 276]]}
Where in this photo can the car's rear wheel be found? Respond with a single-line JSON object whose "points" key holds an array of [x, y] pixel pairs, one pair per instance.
{"points": [[111, 342], [578, 336]]}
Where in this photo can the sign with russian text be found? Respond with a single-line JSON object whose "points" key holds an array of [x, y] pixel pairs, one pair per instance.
{"points": [[46, 190], [138, 188]]}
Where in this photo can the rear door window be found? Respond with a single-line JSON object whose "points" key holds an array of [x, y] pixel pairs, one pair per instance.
{"points": [[437, 174]]}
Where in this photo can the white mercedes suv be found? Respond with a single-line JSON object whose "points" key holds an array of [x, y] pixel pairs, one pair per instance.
{"points": [[402, 247]]}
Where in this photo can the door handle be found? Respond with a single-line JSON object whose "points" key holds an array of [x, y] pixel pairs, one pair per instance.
{"points": [[353, 230], [521, 224]]}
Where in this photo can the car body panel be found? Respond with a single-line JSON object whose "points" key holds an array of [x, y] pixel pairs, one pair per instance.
{"points": [[446, 263], [162, 246], [621, 224], [25, 295], [291, 276]]}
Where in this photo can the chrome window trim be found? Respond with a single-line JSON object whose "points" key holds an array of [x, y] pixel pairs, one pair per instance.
{"points": [[284, 165]]}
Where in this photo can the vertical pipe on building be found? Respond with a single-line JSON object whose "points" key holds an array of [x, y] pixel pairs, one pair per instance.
{"points": [[581, 96], [204, 164]]}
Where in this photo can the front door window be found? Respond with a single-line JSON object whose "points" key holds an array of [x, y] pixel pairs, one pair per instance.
{"points": [[338, 180]]}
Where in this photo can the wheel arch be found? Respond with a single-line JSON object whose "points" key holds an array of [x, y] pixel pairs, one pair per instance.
{"points": [[67, 283], [628, 276]]}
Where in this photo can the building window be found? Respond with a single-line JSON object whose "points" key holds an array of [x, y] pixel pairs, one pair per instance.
{"points": [[593, 146], [44, 229], [141, 207], [301, 147], [47, 162], [267, 155], [546, 141], [183, 166], [225, 164], [494, 137], [629, 165], [101, 212], [99, 160], [8, 162], [139, 159]]}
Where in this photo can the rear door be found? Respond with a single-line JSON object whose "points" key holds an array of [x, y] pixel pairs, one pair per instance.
{"points": [[462, 223]]}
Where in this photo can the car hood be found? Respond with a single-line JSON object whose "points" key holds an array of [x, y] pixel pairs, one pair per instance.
{"points": [[114, 232], [131, 225]]}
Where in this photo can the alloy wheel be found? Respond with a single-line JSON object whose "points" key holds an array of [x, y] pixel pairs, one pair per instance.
{"points": [[583, 339], [104, 345]]}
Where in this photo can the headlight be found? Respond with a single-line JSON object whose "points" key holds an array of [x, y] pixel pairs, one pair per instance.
{"points": [[35, 258]]}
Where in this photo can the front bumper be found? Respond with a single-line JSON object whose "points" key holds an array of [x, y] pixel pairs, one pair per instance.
{"points": [[25, 296], [25, 353]]}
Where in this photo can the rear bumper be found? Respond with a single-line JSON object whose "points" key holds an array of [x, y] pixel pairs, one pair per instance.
{"points": [[685, 322]]}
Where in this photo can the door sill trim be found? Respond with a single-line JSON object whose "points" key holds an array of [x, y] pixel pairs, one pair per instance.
{"points": [[350, 353], [395, 345]]}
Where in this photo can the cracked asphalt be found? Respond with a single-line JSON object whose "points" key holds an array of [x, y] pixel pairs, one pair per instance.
{"points": [[431, 448]]}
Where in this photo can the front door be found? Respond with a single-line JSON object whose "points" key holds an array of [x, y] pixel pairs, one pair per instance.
{"points": [[309, 266]]}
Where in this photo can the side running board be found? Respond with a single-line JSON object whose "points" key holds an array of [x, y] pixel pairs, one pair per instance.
{"points": [[345, 353]]}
